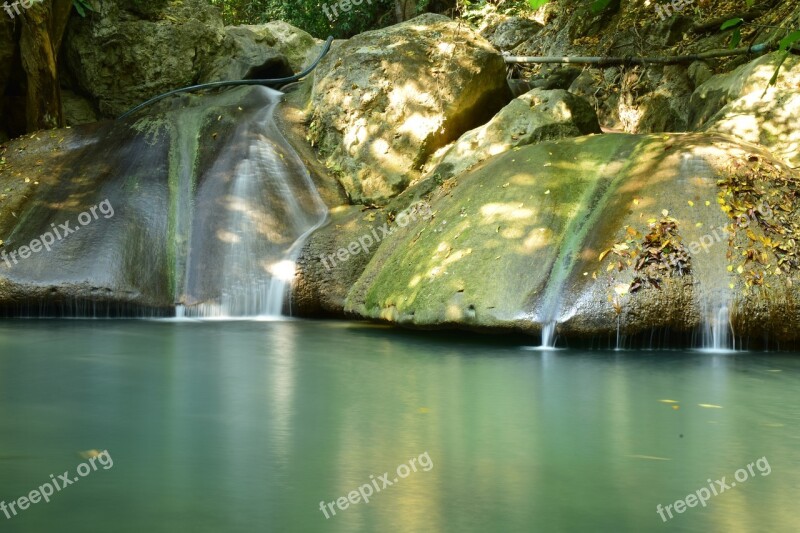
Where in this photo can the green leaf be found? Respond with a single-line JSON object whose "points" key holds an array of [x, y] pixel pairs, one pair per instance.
{"points": [[599, 5], [730, 23], [736, 38], [536, 4], [789, 40], [774, 77], [750, 3], [79, 9]]}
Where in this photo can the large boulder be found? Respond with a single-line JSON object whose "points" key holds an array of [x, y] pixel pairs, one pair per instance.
{"points": [[299, 47], [120, 59], [536, 116], [272, 50], [386, 100], [198, 206], [605, 235], [245, 55], [742, 103], [508, 33]]}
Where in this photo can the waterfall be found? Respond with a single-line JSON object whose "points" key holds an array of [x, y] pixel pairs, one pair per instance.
{"points": [[548, 335], [718, 334], [255, 208]]}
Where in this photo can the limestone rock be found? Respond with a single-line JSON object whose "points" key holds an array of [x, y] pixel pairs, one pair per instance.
{"points": [[511, 32], [120, 59], [534, 117], [245, 54], [742, 103], [530, 234], [386, 100], [77, 109]]}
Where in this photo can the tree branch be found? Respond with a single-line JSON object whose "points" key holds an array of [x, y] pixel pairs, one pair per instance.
{"points": [[757, 49]]}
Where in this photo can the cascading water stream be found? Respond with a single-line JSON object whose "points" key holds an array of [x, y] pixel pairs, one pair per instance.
{"points": [[255, 211], [718, 334]]}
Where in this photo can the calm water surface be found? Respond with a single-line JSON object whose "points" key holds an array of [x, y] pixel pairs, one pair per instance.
{"points": [[247, 426]]}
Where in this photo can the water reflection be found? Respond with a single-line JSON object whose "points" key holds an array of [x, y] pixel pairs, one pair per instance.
{"points": [[230, 426]]}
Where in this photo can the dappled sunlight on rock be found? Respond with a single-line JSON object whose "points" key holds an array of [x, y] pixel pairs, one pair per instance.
{"points": [[384, 102], [517, 248], [505, 212], [228, 237]]}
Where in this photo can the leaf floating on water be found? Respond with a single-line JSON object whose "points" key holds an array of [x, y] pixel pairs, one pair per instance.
{"points": [[668, 401], [603, 254], [708, 203], [89, 454], [691, 203], [650, 457], [710, 406], [730, 268], [665, 212]]}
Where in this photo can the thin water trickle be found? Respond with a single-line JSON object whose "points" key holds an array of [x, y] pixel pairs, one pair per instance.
{"points": [[549, 335], [718, 334]]}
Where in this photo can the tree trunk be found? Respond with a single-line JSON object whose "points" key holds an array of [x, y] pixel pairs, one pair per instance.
{"points": [[405, 9], [43, 27]]}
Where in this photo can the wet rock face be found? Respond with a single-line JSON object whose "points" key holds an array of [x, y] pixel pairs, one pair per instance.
{"points": [[151, 211], [385, 100], [602, 232]]}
